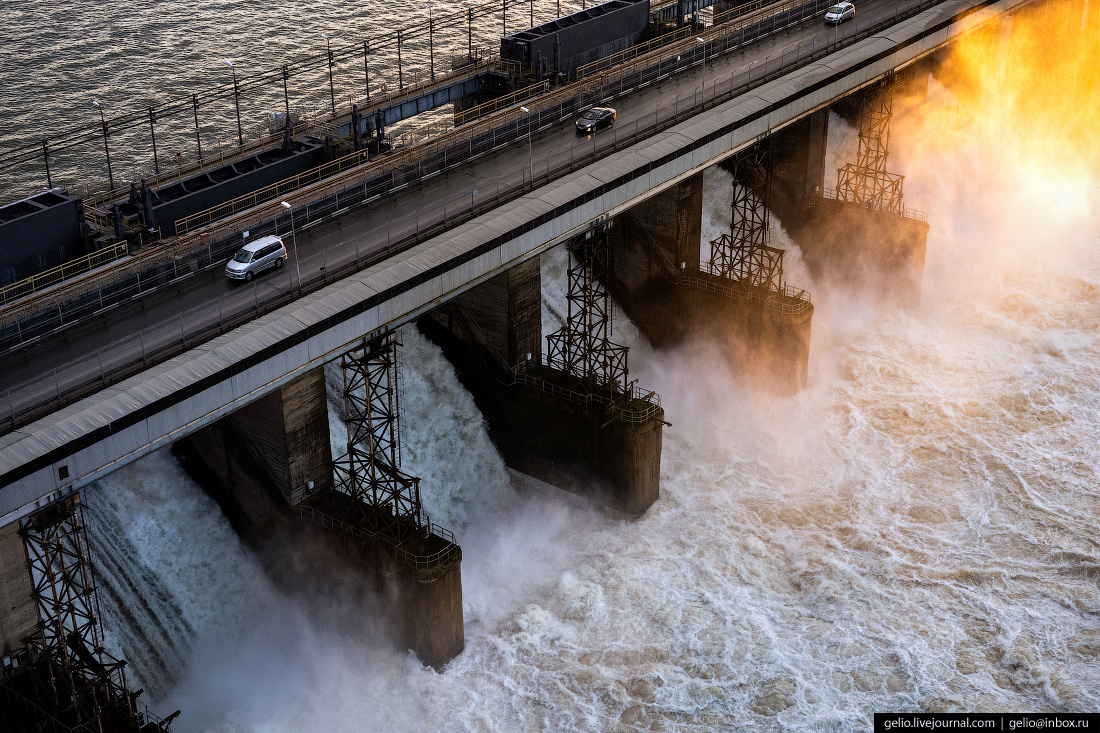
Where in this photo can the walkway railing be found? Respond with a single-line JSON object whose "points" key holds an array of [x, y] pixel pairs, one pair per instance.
{"points": [[43, 280], [349, 165], [787, 300], [114, 362], [425, 567], [623, 407], [830, 200]]}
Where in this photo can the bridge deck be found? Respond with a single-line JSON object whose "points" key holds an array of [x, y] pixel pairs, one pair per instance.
{"points": [[161, 404]]}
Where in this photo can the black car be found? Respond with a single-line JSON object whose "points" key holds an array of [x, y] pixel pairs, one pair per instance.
{"points": [[595, 118]]}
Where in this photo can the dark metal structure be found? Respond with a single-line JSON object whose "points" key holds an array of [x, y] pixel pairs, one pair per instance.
{"points": [[744, 255], [73, 679], [561, 45], [867, 180], [582, 347], [386, 500]]}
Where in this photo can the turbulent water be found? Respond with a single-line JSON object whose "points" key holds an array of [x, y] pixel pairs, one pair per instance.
{"points": [[916, 530], [132, 54]]}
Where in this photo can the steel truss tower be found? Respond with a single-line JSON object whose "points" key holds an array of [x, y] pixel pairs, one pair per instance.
{"points": [[867, 181], [582, 348], [744, 255], [387, 500], [84, 684]]}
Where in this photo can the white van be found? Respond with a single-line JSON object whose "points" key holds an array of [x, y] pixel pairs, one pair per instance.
{"points": [[255, 257]]}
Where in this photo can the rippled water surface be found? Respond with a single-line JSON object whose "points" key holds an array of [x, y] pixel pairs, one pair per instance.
{"points": [[56, 60]]}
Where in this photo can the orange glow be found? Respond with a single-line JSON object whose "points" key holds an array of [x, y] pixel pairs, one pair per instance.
{"points": [[1031, 85]]}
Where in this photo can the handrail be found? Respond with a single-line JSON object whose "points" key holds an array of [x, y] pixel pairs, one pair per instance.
{"points": [[612, 406], [360, 174], [628, 54], [42, 280], [473, 113], [770, 300], [830, 199], [426, 567], [28, 411]]}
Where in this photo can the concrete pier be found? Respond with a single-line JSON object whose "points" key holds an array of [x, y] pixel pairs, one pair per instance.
{"points": [[262, 459], [543, 423], [419, 579], [764, 336], [674, 218], [846, 245], [269, 466], [18, 615], [877, 254]]}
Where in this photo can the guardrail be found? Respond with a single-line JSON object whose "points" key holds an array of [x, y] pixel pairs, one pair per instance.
{"points": [[429, 567], [355, 169], [756, 9], [830, 200], [618, 408], [777, 301], [474, 113], [43, 280], [426, 568], [114, 362]]}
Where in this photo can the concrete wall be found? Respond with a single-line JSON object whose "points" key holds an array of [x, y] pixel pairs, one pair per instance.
{"points": [[874, 255], [674, 219], [508, 313], [766, 347], [257, 462], [18, 615], [570, 446]]}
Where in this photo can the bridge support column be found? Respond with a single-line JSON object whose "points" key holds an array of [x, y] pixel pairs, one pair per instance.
{"points": [[858, 237], [737, 299], [62, 669], [569, 418], [502, 316], [374, 511], [18, 618], [674, 217], [268, 455]]}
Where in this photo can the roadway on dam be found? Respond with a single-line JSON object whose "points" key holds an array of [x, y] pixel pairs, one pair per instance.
{"points": [[201, 300]]}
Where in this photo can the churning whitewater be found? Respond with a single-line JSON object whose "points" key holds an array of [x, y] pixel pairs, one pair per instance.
{"points": [[916, 530]]}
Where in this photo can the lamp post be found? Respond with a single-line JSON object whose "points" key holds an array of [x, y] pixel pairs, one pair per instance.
{"points": [[431, 41], [530, 157], [704, 45], [293, 243], [331, 86], [236, 102], [106, 147]]}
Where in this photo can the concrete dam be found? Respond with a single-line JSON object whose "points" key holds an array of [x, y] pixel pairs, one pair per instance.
{"points": [[528, 302]]}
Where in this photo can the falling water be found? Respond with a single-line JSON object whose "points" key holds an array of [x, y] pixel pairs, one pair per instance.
{"points": [[916, 530]]}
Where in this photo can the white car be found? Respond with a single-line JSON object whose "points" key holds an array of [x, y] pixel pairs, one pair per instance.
{"points": [[255, 257], [840, 13]]}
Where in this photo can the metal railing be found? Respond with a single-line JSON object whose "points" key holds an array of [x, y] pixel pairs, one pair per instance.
{"points": [[429, 567], [241, 213], [87, 374], [43, 280], [787, 300], [475, 113], [425, 567], [830, 200], [618, 408]]}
